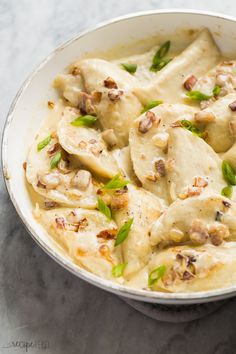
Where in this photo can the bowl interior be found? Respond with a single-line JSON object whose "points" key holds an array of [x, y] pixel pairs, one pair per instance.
{"points": [[30, 108]]}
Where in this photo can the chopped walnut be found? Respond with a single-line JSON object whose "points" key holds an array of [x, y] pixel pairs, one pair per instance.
{"points": [[232, 128], [95, 150], [198, 232], [97, 96], [161, 140], [51, 104], [86, 103], [63, 166], [200, 182], [187, 275], [110, 83], [105, 252], [146, 123], [49, 180], [81, 180], [218, 232], [204, 117], [160, 167], [190, 82], [114, 95], [226, 203], [152, 177], [75, 224], [60, 222], [191, 192], [53, 149], [119, 200], [49, 204], [232, 106], [108, 234], [110, 138]]}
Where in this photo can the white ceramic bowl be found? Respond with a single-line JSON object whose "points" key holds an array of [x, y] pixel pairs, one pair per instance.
{"points": [[29, 108]]}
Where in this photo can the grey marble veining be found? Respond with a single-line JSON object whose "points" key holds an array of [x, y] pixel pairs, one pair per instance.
{"points": [[39, 301]]}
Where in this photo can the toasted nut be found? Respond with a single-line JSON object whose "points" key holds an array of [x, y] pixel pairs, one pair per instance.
{"points": [[107, 234], [190, 82], [49, 180], [51, 104], [152, 177], [82, 144], [119, 201], [60, 222], [110, 138], [222, 79], [49, 204], [204, 117], [198, 232], [81, 180], [53, 149], [226, 203], [86, 103], [218, 233], [97, 96], [114, 95], [110, 83], [200, 182], [63, 166], [105, 252], [191, 192], [232, 128], [176, 124], [146, 123], [232, 106], [187, 275], [160, 167], [161, 140]]}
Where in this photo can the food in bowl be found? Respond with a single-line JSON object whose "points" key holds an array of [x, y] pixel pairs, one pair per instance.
{"points": [[134, 167]]}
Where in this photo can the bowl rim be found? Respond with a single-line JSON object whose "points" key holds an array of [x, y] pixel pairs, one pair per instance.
{"points": [[121, 290]]}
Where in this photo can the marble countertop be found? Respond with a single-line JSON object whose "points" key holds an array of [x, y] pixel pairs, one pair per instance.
{"points": [[40, 303]]}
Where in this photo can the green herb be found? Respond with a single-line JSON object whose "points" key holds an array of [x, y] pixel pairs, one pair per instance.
{"points": [[192, 128], [123, 232], [84, 121], [55, 160], [116, 183], [150, 105], [216, 91], [44, 142], [131, 68], [156, 274], [228, 173], [117, 271], [158, 62], [103, 208], [227, 191], [197, 96]]}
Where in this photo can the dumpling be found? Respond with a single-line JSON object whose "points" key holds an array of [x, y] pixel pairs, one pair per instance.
{"points": [[67, 183], [196, 167], [208, 218], [149, 145], [118, 106], [195, 269], [86, 235], [199, 57], [219, 122], [144, 208], [87, 144]]}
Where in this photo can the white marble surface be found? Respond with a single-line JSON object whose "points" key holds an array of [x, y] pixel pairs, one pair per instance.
{"points": [[39, 301]]}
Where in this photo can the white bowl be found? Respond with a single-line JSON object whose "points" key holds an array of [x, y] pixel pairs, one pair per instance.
{"points": [[29, 108]]}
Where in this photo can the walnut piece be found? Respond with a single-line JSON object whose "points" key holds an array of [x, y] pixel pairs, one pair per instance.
{"points": [[147, 122]]}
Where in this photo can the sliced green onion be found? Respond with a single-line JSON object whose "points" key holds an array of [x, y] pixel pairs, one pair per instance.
{"points": [[158, 62], [227, 191], [116, 183], [150, 105], [228, 173], [162, 63], [197, 96], [131, 68], [44, 142], [84, 121], [117, 270], [216, 91], [55, 160], [123, 232], [192, 128], [103, 208], [156, 275]]}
